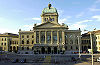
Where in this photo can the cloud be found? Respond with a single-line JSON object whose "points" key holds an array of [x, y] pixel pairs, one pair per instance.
{"points": [[79, 24], [64, 20], [93, 9], [97, 1], [60, 11], [97, 17], [38, 19], [80, 14]]}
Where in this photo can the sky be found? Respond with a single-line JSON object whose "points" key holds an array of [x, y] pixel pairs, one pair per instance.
{"points": [[23, 14]]}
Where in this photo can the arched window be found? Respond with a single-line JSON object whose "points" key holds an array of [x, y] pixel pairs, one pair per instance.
{"points": [[5, 39], [45, 19], [22, 41], [27, 41]]}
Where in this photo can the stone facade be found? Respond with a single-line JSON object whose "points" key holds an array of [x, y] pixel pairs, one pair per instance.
{"points": [[9, 42], [49, 37]]}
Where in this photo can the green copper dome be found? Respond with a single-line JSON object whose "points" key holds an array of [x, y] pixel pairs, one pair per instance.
{"points": [[49, 9]]}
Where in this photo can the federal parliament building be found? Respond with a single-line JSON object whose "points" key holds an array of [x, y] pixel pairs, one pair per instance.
{"points": [[49, 37]]}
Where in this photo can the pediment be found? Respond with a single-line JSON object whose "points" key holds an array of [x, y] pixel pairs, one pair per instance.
{"points": [[48, 25]]}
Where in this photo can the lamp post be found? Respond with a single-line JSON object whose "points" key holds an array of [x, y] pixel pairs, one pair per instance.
{"points": [[79, 45]]}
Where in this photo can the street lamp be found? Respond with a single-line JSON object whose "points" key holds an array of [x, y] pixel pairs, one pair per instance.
{"points": [[79, 45], [91, 45]]}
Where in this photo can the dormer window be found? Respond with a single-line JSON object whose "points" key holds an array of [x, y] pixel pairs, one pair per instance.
{"points": [[45, 19]]}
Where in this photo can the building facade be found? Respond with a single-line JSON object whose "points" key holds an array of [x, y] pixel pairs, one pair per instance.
{"points": [[49, 37], [9, 42]]}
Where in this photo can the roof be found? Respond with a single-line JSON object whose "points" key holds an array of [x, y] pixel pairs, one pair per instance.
{"points": [[9, 35], [49, 25]]}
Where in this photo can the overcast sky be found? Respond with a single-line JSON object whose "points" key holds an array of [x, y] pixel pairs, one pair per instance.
{"points": [[22, 14]]}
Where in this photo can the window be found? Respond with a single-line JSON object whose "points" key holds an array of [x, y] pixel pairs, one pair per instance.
{"points": [[42, 38], [32, 41], [55, 38], [45, 19], [2, 39], [27, 36], [22, 36], [32, 36], [5, 39], [5, 43], [48, 38], [52, 19], [71, 47], [22, 41], [22, 48], [27, 41], [27, 48]]}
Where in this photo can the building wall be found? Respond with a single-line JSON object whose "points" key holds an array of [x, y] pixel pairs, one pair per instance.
{"points": [[26, 41], [4, 43], [98, 42]]}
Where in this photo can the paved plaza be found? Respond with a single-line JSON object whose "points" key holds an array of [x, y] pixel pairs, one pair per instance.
{"points": [[49, 59]]}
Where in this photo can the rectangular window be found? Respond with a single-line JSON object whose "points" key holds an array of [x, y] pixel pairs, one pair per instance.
{"points": [[27, 36], [99, 43]]}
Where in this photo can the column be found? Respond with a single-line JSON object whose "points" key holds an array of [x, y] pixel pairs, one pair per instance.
{"points": [[34, 37], [51, 37], [57, 36], [45, 37], [63, 37], [39, 37]]}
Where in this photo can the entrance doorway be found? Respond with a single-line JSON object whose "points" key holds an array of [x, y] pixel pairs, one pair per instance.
{"points": [[49, 50], [55, 50], [42, 50]]}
